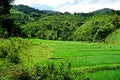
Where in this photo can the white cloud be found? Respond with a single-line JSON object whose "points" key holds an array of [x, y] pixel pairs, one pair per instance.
{"points": [[52, 3], [89, 7], [25, 2], [72, 5]]}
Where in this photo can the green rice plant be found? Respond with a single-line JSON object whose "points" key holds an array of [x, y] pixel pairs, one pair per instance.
{"points": [[104, 75]]}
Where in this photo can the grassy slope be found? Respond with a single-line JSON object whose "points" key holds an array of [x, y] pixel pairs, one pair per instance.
{"points": [[114, 37]]}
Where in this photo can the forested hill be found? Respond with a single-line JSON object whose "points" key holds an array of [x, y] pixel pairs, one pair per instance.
{"points": [[46, 24], [35, 13]]}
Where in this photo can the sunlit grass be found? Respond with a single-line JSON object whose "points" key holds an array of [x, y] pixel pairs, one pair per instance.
{"points": [[82, 53], [35, 54], [84, 56], [104, 75]]}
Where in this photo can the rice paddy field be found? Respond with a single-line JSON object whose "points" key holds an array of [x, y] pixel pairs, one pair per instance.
{"points": [[99, 61]]}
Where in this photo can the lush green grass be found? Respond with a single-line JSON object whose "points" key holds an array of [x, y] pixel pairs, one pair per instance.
{"points": [[83, 53], [105, 75], [114, 37], [85, 57], [35, 54]]}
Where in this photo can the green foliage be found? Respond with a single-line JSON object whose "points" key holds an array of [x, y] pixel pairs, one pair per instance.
{"points": [[113, 37], [11, 49], [94, 26], [102, 33], [17, 45], [6, 71], [22, 74], [7, 23], [116, 21], [4, 48], [104, 11], [5, 6], [56, 72], [35, 13], [9, 26], [9, 71], [20, 17], [52, 27], [97, 29], [48, 71]]}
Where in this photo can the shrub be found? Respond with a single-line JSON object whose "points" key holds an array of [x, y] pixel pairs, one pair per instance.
{"points": [[9, 71], [4, 48], [22, 74], [10, 48], [14, 58], [56, 72], [50, 71], [17, 45]]}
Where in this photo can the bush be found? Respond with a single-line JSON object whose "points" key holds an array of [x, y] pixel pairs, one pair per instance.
{"points": [[4, 48], [9, 71], [22, 74], [50, 71], [56, 72], [10, 48]]}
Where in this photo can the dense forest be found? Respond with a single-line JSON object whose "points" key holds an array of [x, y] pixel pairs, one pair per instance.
{"points": [[44, 24]]}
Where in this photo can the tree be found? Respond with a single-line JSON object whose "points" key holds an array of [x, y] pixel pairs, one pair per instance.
{"points": [[116, 21], [5, 6], [6, 20]]}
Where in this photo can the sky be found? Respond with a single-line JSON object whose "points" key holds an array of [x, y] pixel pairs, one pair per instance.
{"points": [[71, 6]]}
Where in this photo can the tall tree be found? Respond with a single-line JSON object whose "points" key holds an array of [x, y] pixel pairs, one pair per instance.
{"points": [[6, 20], [5, 6]]}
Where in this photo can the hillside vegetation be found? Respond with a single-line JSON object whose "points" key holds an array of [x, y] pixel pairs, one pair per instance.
{"points": [[44, 24], [114, 37], [96, 29], [92, 27]]}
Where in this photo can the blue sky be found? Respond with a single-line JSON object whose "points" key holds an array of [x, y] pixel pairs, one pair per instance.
{"points": [[71, 5]]}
